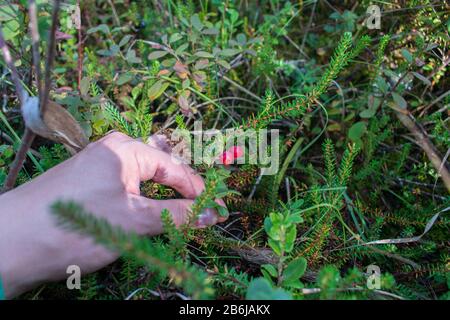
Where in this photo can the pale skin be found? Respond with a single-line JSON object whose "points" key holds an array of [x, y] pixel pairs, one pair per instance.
{"points": [[104, 178]]}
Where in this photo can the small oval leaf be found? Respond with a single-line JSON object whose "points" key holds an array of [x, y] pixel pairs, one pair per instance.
{"points": [[157, 54]]}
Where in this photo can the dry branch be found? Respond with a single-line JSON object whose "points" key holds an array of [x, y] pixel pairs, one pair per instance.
{"points": [[424, 142], [50, 57], [29, 136]]}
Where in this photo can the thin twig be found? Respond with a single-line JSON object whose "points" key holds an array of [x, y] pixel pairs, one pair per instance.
{"points": [[80, 46], [238, 86], [425, 108], [116, 17], [308, 27], [34, 31], [50, 57], [424, 142], [10, 63], [16, 165], [28, 136], [8, 139]]}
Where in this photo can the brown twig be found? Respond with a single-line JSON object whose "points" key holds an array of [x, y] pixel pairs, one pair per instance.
{"points": [[28, 136], [10, 63], [80, 47], [34, 31], [50, 57], [16, 165], [424, 142]]}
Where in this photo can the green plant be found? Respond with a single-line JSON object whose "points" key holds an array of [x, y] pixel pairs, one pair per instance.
{"points": [[281, 228], [149, 253], [374, 103]]}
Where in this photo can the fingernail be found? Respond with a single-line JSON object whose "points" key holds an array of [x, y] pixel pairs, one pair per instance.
{"points": [[207, 218]]}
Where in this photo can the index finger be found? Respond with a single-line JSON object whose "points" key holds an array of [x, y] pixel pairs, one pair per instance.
{"points": [[159, 166]]}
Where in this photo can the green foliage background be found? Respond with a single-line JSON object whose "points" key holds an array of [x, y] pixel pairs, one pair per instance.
{"points": [[350, 172]]}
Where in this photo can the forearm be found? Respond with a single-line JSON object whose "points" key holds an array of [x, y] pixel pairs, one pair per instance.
{"points": [[22, 255], [104, 178], [33, 249]]}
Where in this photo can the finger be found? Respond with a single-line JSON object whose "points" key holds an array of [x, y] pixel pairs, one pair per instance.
{"points": [[148, 213], [158, 141], [162, 168], [157, 165], [179, 176]]}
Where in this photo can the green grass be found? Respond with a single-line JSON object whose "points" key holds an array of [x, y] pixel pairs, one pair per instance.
{"points": [[350, 172]]}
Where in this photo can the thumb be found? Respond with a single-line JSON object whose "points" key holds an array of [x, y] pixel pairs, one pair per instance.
{"points": [[147, 214]]}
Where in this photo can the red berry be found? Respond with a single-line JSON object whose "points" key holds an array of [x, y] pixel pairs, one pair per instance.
{"points": [[227, 158], [237, 151]]}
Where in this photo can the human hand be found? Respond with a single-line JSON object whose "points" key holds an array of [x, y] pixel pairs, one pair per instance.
{"points": [[104, 178]]}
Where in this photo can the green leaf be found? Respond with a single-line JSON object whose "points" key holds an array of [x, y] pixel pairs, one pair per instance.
{"points": [[229, 52], [295, 218], [224, 64], [182, 48], [196, 23], [275, 246], [270, 269], [223, 212], [125, 40], [175, 37], [186, 83], [295, 284], [6, 151], [11, 29], [422, 78], [157, 54], [157, 89], [124, 78], [267, 224], [407, 55], [168, 63], [9, 12], [241, 39], [367, 113], [132, 58], [84, 85], [260, 289], [382, 84], [201, 64], [295, 269], [357, 130], [399, 101], [204, 54], [211, 31], [291, 235], [102, 28], [105, 52]]}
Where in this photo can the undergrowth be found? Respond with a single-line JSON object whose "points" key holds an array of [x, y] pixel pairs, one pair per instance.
{"points": [[350, 173]]}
